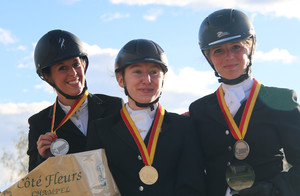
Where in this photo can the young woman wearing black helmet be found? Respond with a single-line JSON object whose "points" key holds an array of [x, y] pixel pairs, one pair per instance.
{"points": [[149, 150], [62, 61], [244, 125]]}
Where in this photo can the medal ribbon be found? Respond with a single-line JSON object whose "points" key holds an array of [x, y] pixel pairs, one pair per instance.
{"points": [[73, 109], [147, 153], [239, 133]]}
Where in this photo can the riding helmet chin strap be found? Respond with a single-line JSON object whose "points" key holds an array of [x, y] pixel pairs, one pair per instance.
{"points": [[70, 96], [143, 105]]}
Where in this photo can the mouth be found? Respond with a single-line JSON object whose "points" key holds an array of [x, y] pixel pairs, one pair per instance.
{"points": [[76, 81], [146, 90]]}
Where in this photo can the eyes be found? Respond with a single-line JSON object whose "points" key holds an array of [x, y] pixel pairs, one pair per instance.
{"points": [[152, 72], [75, 65], [139, 71], [221, 49]]}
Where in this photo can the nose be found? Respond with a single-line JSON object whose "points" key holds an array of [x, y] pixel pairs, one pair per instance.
{"points": [[72, 71], [229, 54], [147, 78]]}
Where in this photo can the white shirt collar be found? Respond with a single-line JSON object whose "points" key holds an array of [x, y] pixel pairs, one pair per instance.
{"points": [[236, 94], [80, 117], [142, 119], [67, 108]]}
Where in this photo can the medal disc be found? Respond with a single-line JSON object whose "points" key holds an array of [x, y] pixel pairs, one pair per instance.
{"points": [[241, 149], [240, 176], [148, 175], [59, 147]]}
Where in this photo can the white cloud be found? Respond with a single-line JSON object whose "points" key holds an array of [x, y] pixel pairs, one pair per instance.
{"points": [[25, 65], [19, 108], [190, 81], [6, 37], [18, 48], [275, 54], [113, 16], [278, 8], [153, 14], [284, 8], [21, 47], [46, 87], [94, 50]]}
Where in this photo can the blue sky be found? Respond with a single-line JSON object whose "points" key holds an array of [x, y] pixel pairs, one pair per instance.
{"points": [[106, 25]]}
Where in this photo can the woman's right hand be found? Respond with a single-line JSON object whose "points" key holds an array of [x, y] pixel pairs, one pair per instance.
{"points": [[44, 143]]}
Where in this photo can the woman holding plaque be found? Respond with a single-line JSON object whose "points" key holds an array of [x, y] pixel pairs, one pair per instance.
{"points": [[150, 151], [244, 125], [62, 61]]}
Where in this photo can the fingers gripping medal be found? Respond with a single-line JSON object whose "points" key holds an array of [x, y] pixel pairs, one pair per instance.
{"points": [[61, 146], [148, 174]]}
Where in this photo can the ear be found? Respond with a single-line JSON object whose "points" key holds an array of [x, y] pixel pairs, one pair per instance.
{"points": [[120, 80], [48, 79]]}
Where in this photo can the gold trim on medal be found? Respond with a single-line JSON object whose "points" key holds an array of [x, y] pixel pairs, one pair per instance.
{"points": [[241, 149], [59, 147], [148, 175]]}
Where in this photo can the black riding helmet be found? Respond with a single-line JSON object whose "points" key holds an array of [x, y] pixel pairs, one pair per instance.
{"points": [[226, 26], [140, 50], [54, 47]]}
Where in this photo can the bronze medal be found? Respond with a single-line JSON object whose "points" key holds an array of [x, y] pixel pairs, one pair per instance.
{"points": [[240, 176], [241, 149], [59, 147], [148, 175]]}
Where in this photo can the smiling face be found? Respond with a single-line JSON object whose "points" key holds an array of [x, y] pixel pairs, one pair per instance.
{"points": [[143, 81], [230, 60], [68, 76]]}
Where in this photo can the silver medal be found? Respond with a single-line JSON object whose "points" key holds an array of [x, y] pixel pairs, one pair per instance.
{"points": [[241, 149], [59, 147]]}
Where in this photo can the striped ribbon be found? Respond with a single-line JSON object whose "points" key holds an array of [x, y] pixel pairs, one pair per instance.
{"points": [[73, 109], [149, 152], [239, 133]]}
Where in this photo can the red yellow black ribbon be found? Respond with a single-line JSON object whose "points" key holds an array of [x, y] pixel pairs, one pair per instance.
{"points": [[73, 109], [239, 133], [149, 152]]}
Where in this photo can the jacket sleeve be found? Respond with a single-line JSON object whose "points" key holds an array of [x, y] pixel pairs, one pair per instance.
{"points": [[288, 127], [191, 169], [34, 157]]}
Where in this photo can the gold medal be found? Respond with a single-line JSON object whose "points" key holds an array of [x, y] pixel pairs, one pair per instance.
{"points": [[241, 149], [148, 175]]}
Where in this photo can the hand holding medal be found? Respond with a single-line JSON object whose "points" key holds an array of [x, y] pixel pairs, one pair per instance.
{"points": [[44, 142]]}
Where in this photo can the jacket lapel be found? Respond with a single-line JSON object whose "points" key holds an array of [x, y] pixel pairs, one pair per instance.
{"points": [[214, 110], [96, 109], [121, 130]]}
